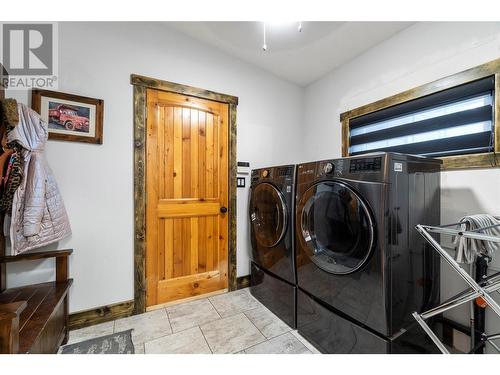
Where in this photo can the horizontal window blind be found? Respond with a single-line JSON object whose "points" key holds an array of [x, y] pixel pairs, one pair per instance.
{"points": [[456, 121]]}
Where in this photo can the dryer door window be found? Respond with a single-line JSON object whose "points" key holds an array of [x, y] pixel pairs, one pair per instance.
{"points": [[336, 228], [268, 215]]}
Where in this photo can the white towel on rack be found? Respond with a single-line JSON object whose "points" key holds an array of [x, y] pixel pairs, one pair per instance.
{"points": [[467, 249]]}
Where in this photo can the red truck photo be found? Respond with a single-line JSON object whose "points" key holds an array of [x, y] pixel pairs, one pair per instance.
{"points": [[67, 116]]}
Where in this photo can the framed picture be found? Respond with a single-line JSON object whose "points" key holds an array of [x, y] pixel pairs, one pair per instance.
{"points": [[70, 117]]}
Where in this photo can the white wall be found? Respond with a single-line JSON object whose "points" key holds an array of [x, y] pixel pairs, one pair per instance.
{"points": [[96, 60], [417, 55]]}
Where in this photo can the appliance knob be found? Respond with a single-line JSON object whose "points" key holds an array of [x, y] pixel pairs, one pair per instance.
{"points": [[265, 173], [328, 168]]}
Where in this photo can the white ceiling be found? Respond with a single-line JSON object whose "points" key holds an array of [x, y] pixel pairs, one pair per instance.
{"points": [[299, 57]]}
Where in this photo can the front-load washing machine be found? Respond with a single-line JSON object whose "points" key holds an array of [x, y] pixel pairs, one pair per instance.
{"points": [[273, 276], [362, 268]]}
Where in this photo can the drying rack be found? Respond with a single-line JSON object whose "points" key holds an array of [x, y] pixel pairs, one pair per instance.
{"points": [[482, 289]]}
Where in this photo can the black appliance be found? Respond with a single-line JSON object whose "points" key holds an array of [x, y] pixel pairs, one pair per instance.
{"points": [[273, 276], [362, 268]]}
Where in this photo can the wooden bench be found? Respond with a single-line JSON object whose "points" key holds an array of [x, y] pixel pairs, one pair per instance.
{"points": [[34, 318]]}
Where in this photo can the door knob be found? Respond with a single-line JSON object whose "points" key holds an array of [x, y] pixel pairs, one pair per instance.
{"points": [[223, 209]]}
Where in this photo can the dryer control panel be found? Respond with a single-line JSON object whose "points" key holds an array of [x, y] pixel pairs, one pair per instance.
{"points": [[283, 174]]}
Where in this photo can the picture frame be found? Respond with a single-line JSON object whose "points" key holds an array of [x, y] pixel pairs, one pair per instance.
{"points": [[70, 117]]}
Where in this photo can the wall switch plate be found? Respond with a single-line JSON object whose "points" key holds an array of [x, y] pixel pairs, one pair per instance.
{"points": [[240, 182]]}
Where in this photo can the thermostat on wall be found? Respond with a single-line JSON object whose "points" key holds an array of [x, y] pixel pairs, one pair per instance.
{"points": [[243, 167]]}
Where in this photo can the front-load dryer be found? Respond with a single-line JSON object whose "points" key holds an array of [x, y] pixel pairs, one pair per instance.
{"points": [[362, 268], [273, 275]]}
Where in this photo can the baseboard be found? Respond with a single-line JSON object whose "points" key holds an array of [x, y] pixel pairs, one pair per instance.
{"points": [[121, 310], [243, 282], [100, 315]]}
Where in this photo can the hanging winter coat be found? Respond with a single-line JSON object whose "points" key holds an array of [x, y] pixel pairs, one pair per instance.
{"points": [[38, 214]]}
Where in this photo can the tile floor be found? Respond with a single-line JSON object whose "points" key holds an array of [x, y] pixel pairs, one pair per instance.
{"points": [[227, 323]]}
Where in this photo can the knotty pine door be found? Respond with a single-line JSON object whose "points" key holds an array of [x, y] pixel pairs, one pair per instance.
{"points": [[186, 197]]}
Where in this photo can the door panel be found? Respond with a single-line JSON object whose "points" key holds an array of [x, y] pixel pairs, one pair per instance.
{"points": [[186, 186]]}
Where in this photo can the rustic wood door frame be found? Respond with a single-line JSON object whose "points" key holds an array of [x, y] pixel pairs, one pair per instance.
{"points": [[140, 85]]}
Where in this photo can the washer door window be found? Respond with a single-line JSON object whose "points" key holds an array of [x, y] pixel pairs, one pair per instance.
{"points": [[267, 214], [336, 227]]}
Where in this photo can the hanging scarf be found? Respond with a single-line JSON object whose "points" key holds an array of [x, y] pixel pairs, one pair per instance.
{"points": [[9, 118], [13, 178]]}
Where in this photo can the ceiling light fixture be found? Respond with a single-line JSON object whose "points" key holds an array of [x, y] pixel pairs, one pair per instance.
{"points": [[264, 43]]}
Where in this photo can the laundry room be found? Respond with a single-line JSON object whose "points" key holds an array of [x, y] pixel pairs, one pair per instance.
{"points": [[273, 182]]}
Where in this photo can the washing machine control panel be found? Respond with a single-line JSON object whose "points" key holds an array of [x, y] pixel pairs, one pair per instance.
{"points": [[345, 167], [328, 168], [365, 165]]}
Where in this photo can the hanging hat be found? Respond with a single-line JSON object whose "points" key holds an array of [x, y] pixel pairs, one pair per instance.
{"points": [[8, 113]]}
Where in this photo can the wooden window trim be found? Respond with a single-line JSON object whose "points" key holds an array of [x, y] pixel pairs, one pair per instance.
{"points": [[484, 160]]}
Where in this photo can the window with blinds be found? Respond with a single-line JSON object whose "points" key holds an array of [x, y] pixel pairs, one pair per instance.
{"points": [[456, 121]]}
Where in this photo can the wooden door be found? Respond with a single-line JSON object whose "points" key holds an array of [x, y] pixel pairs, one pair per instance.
{"points": [[186, 197]]}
